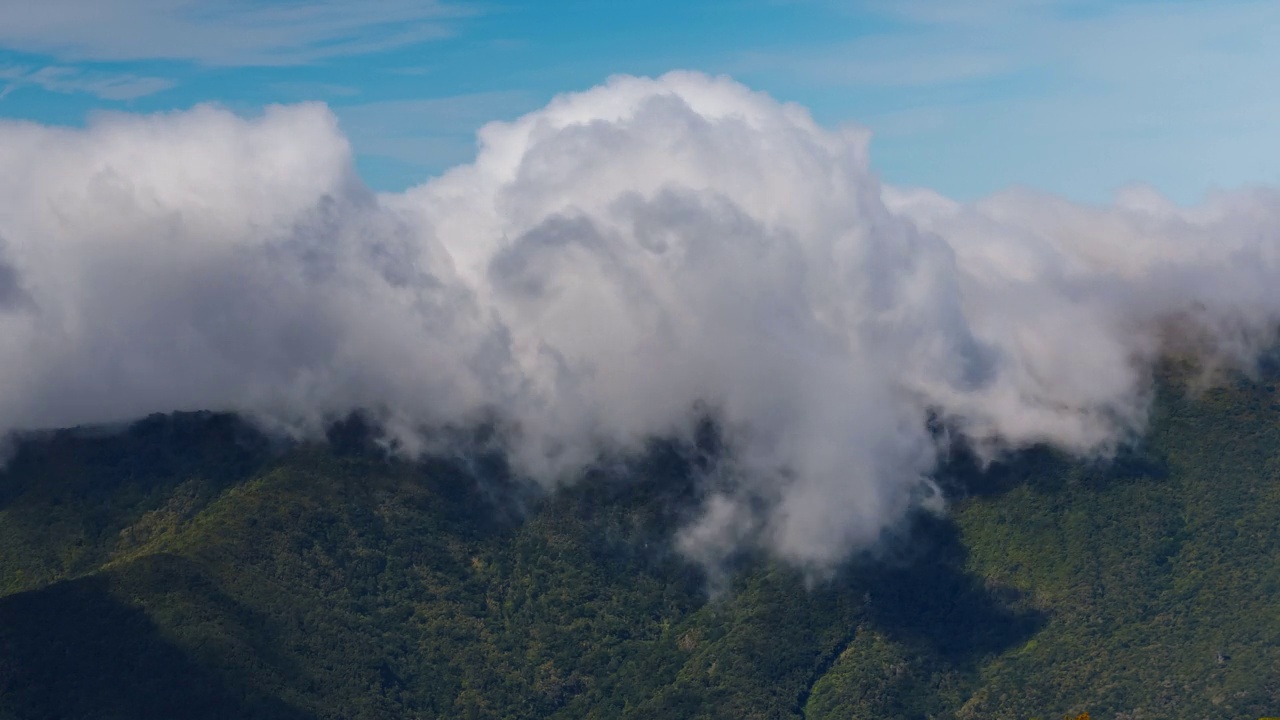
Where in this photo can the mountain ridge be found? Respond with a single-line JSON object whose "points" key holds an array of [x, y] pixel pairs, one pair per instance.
{"points": [[187, 566]]}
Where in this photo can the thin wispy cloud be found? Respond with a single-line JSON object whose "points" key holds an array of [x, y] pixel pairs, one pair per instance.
{"points": [[927, 42], [429, 134], [61, 79], [878, 62], [973, 12], [239, 32], [1040, 91], [314, 90]]}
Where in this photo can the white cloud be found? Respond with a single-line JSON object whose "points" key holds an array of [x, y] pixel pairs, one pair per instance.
{"points": [[237, 32], [105, 85], [608, 267]]}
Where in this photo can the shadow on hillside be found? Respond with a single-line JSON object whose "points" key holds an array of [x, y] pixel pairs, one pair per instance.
{"points": [[467, 472], [920, 594], [72, 650], [1044, 470], [90, 465]]}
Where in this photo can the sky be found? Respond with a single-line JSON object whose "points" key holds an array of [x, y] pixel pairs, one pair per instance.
{"points": [[1075, 97]]}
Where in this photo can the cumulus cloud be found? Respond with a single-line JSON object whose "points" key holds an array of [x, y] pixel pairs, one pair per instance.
{"points": [[610, 268]]}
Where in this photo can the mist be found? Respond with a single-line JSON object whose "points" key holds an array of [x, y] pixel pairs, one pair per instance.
{"points": [[611, 268]]}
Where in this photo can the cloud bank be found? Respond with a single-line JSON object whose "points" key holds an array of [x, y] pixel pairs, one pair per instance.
{"points": [[610, 268]]}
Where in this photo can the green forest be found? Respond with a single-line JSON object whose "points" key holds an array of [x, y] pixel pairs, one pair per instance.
{"points": [[190, 567]]}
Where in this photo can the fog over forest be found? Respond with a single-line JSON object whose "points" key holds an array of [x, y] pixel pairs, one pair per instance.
{"points": [[611, 268]]}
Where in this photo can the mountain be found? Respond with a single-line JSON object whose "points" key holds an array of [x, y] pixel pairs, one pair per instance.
{"points": [[189, 566]]}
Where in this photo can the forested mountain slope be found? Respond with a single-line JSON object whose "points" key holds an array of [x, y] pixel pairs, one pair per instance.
{"points": [[189, 567]]}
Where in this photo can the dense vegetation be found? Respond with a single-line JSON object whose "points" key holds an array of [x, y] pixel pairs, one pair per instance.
{"points": [[189, 568]]}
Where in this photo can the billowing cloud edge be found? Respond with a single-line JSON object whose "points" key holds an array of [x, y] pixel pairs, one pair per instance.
{"points": [[616, 266]]}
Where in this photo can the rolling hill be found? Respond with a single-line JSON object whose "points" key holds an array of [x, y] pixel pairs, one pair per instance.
{"points": [[189, 566]]}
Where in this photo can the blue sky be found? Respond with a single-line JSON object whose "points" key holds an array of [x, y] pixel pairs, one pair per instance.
{"points": [[1077, 97]]}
